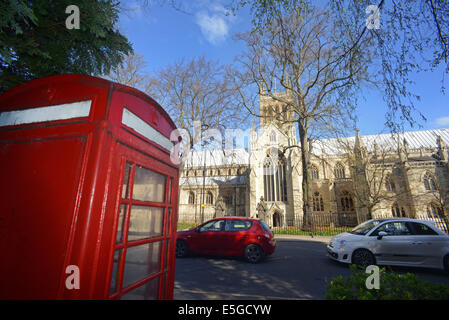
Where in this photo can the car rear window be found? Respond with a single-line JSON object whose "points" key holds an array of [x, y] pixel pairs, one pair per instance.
{"points": [[264, 226], [422, 230], [237, 225]]}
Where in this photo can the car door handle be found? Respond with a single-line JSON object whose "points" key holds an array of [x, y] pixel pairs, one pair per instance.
{"points": [[418, 242]]}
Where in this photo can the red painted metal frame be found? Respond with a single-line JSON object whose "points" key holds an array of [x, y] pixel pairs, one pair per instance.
{"points": [[167, 234], [61, 197]]}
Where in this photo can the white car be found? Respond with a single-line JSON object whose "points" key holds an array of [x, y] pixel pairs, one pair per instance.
{"points": [[398, 242]]}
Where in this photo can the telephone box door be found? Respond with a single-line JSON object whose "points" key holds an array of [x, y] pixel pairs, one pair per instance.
{"points": [[143, 250]]}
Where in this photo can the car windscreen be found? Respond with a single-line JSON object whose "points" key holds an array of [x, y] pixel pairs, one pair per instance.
{"points": [[365, 227]]}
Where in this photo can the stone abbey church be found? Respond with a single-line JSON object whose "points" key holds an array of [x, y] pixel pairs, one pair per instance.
{"points": [[385, 175]]}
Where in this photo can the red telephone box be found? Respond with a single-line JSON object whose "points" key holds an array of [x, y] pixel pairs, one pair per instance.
{"points": [[88, 199]]}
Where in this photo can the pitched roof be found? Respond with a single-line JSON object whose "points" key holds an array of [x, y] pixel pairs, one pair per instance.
{"points": [[335, 146], [414, 139]]}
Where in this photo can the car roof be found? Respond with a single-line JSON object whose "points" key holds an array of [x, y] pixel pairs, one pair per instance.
{"points": [[429, 223], [404, 219], [236, 217]]}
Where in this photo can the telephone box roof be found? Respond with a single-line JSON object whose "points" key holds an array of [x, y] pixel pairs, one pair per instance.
{"points": [[7, 98]]}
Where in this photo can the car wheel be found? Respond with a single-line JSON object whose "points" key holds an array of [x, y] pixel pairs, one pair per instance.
{"points": [[446, 263], [253, 253], [363, 257], [181, 249]]}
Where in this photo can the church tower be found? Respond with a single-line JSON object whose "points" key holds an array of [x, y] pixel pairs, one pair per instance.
{"points": [[274, 160], [277, 118]]}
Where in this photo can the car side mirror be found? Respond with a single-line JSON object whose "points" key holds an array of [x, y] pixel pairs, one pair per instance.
{"points": [[381, 235]]}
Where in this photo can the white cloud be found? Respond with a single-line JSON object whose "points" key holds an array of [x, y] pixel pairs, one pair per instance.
{"points": [[443, 121], [214, 23]]}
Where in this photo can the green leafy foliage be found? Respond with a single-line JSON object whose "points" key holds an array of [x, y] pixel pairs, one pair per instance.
{"points": [[393, 286], [186, 225], [16, 11], [34, 40]]}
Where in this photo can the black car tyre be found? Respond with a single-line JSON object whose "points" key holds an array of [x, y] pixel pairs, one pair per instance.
{"points": [[363, 257], [181, 249], [253, 253], [446, 263]]}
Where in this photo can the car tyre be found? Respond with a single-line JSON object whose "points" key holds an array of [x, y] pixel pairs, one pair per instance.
{"points": [[446, 263], [253, 253], [363, 257], [182, 249]]}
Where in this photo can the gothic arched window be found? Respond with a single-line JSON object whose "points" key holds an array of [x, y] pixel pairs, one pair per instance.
{"points": [[275, 178], [209, 198], [429, 182], [389, 184], [318, 204], [397, 212], [339, 171], [273, 137], [346, 203], [191, 197], [315, 174]]}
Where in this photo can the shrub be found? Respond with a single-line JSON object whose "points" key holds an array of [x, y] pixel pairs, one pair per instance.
{"points": [[186, 225], [393, 286], [317, 231]]}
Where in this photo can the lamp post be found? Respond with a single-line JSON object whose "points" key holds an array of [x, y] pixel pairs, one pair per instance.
{"points": [[203, 143], [204, 183]]}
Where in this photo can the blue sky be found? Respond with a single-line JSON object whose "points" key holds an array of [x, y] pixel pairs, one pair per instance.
{"points": [[163, 35]]}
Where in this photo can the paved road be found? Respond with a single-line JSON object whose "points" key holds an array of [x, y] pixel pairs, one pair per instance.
{"points": [[299, 269]]}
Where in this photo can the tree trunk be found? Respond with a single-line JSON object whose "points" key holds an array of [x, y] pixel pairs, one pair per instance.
{"points": [[370, 213], [306, 190]]}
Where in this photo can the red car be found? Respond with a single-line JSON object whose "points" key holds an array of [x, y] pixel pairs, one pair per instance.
{"points": [[234, 236]]}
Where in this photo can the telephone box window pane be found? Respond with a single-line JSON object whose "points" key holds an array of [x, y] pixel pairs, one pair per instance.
{"points": [[167, 247], [145, 222], [164, 285], [141, 262], [114, 276], [148, 185], [169, 189], [121, 219], [125, 187], [147, 291], [168, 221]]}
